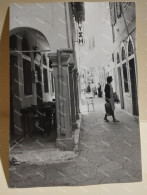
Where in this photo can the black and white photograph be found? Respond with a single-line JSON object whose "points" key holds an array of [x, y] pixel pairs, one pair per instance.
{"points": [[74, 113]]}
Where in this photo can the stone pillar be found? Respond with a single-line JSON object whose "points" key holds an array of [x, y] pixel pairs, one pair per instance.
{"points": [[53, 58], [63, 102], [72, 96], [78, 96]]}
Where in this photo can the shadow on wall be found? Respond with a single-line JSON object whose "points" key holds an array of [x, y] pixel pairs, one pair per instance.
{"points": [[5, 96]]}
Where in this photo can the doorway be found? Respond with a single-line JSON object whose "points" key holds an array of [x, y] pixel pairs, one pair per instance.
{"points": [[133, 86], [120, 87]]}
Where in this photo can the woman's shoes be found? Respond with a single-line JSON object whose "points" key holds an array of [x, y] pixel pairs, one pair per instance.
{"points": [[106, 119], [115, 120]]}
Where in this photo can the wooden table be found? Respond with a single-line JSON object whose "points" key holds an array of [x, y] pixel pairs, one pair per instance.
{"points": [[44, 113]]}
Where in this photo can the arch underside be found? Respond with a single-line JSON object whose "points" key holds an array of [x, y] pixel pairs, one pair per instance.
{"points": [[34, 37]]}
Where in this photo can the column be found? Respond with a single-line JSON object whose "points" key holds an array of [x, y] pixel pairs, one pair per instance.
{"points": [[63, 101], [53, 58], [76, 94], [72, 96]]}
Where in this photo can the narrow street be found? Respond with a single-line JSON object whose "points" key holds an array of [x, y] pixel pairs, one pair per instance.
{"points": [[108, 153]]}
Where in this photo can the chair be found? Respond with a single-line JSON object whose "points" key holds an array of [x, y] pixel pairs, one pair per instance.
{"points": [[33, 117], [51, 116], [89, 100], [37, 114]]}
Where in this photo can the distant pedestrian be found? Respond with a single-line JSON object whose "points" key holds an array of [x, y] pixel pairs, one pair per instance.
{"points": [[88, 90], [99, 90], [93, 89], [83, 87], [109, 106]]}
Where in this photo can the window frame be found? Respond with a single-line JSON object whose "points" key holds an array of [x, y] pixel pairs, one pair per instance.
{"points": [[27, 58], [124, 62]]}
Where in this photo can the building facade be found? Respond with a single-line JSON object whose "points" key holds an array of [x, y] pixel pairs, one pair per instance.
{"points": [[43, 65], [124, 68]]}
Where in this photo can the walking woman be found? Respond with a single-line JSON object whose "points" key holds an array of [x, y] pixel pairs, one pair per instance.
{"points": [[109, 99]]}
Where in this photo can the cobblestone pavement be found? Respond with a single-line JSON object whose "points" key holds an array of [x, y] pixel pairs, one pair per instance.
{"points": [[108, 153]]}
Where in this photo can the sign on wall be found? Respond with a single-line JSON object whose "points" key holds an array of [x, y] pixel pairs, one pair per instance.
{"points": [[80, 33]]}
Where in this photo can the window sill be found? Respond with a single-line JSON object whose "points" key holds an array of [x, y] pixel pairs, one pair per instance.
{"points": [[127, 95], [28, 96]]}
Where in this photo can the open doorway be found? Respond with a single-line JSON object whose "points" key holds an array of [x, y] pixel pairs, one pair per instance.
{"points": [[120, 87], [38, 85], [33, 110], [133, 86]]}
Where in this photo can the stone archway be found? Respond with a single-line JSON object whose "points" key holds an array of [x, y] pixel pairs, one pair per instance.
{"points": [[24, 90]]}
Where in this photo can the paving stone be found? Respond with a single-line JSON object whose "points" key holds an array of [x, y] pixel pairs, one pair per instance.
{"points": [[110, 166], [108, 153]]}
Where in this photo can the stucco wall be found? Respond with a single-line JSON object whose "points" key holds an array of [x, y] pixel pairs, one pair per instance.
{"points": [[50, 19], [122, 31]]}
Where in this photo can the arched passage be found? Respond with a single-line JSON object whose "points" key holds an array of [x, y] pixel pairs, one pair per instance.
{"points": [[28, 51], [34, 34]]}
